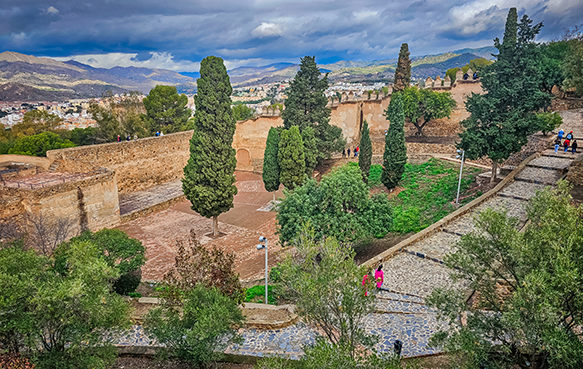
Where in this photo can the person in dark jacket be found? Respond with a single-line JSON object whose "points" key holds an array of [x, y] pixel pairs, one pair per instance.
{"points": [[557, 144], [574, 147]]}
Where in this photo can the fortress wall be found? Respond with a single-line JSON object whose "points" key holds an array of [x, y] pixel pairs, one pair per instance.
{"points": [[138, 164], [92, 202], [249, 141]]}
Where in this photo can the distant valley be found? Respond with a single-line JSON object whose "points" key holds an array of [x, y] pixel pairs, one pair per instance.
{"points": [[30, 78]]}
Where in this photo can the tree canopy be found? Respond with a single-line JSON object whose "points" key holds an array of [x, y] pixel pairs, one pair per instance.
{"points": [[529, 301], [421, 106], [305, 106], [573, 66], [242, 112], [502, 118], [292, 162], [209, 174], [166, 109], [38, 145], [271, 170], [365, 152], [338, 206]]}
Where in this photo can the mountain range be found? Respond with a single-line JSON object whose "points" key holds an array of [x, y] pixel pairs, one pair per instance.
{"points": [[30, 78]]}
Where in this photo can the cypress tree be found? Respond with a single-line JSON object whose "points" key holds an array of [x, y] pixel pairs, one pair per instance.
{"points": [[209, 174], [271, 162], [292, 161], [310, 150], [395, 155], [365, 152], [403, 71], [305, 106]]}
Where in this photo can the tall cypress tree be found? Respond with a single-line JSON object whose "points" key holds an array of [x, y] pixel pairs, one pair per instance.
{"points": [[403, 71], [365, 152], [271, 162], [305, 106], [395, 155], [504, 116], [291, 158], [209, 174]]}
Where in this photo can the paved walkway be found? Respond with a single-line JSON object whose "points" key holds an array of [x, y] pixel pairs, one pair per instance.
{"points": [[412, 274]]}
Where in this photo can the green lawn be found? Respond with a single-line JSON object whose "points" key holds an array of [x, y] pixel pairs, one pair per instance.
{"points": [[429, 190]]}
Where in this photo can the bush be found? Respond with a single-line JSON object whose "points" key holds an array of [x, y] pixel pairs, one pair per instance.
{"points": [[119, 251], [200, 328], [38, 145], [14, 361], [259, 291], [548, 122]]}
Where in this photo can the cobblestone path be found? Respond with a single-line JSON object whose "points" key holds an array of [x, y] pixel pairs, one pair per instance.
{"points": [[413, 273]]}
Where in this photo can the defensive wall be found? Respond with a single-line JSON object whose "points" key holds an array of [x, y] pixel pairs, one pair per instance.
{"points": [[89, 201]]}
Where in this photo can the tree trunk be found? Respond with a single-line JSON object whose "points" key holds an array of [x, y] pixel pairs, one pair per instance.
{"points": [[494, 170], [215, 226], [419, 125], [273, 197]]}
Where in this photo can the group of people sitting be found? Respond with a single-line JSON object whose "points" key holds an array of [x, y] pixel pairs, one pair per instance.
{"points": [[568, 142]]}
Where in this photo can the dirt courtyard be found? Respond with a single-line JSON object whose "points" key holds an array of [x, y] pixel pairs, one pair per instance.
{"points": [[243, 225]]}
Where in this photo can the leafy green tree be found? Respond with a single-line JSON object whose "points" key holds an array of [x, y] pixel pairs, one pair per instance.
{"points": [[292, 162], [38, 145], [305, 106], [553, 56], [422, 106], [243, 112], [35, 122], [83, 136], [271, 171], [209, 174], [573, 64], [529, 302], [121, 252], [310, 150], [62, 319], [403, 71], [502, 118], [547, 122], [108, 126], [451, 73], [326, 285], [166, 109], [395, 155], [365, 152], [338, 206], [200, 328]]}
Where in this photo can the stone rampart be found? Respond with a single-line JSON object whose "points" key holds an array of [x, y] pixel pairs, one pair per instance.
{"points": [[90, 202], [138, 164], [26, 159]]}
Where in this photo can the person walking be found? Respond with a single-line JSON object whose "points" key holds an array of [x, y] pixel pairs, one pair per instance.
{"points": [[574, 147], [379, 276], [348, 153], [357, 150], [118, 138], [569, 136], [566, 144], [561, 133], [557, 144], [343, 153]]}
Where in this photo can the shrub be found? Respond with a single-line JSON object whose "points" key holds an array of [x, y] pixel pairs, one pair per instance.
{"points": [[259, 291], [14, 361], [200, 328], [38, 145]]}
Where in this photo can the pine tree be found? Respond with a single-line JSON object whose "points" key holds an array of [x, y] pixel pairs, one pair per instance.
{"points": [[292, 161], [209, 174], [502, 118], [166, 110], [310, 150], [395, 155], [271, 169], [403, 71], [365, 152], [305, 106]]}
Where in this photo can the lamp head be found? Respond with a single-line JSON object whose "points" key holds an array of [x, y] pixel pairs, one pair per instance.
{"points": [[262, 239], [260, 247]]}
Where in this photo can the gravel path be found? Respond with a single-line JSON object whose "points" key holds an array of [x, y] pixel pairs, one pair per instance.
{"points": [[539, 175]]}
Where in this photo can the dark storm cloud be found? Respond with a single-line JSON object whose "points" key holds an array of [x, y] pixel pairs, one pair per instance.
{"points": [[179, 33]]}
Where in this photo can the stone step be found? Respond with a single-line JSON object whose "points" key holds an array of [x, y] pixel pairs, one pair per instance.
{"points": [[521, 190], [551, 162], [560, 154], [505, 170], [391, 306], [434, 247], [539, 176]]}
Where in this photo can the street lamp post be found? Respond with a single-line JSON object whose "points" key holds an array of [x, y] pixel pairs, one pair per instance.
{"points": [[259, 247], [460, 154]]}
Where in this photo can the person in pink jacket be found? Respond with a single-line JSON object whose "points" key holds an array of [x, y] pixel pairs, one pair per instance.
{"points": [[379, 276]]}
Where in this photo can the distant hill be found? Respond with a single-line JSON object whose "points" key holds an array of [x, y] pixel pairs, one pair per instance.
{"points": [[76, 80], [438, 69]]}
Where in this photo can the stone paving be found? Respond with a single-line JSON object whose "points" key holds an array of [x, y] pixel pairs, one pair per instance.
{"points": [[134, 201], [521, 190], [547, 162], [437, 246], [539, 175]]}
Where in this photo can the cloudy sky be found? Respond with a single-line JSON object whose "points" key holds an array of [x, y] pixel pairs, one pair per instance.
{"points": [[177, 34]]}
